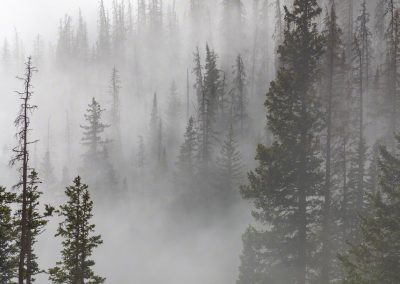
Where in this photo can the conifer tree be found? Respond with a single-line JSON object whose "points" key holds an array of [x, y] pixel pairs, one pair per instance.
{"points": [[239, 99], [21, 157], [103, 43], [186, 159], [252, 270], [376, 259], [198, 72], [36, 221], [230, 167], [286, 185], [81, 41], [357, 174], [79, 240], [96, 155], [332, 65], [92, 139], [8, 245]]}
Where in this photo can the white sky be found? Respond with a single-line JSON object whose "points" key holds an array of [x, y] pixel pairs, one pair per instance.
{"points": [[31, 17]]}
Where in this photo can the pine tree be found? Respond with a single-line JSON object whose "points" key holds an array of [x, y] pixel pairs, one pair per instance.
{"points": [[286, 185], [332, 67], [357, 174], [97, 149], [103, 42], [252, 270], [78, 236], [8, 247], [81, 39], [376, 259], [239, 94], [198, 72], [230, 167], [392, 70], [186, 159], [92, 139], [36, 221], [21, 157]]}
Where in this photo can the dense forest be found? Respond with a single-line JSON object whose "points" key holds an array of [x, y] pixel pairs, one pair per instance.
{"points": [[202, 141]]}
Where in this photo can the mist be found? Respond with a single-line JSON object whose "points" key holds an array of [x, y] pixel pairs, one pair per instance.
{"points": [[230, 141]]}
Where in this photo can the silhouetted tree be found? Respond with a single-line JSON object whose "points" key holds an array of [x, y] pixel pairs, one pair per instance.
{"points": [[78, 236]]}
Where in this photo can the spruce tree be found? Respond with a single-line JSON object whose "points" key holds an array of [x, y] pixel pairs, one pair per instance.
{"points": [[332, 86], [286, 185], [21, 157], [376, 258], [229, 166], [92, 139], [186, 159], [36, 221], [252, 270], [239, 93], [79, 239], [8, 246], [97, 148]]}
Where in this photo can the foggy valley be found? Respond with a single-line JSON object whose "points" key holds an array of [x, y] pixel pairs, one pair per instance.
{"points": [[200, 141]]}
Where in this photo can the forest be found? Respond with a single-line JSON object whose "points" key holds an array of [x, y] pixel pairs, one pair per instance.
{"points": [[200, 141]]}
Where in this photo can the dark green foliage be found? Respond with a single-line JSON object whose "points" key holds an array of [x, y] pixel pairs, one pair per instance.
{"points": [[376, 258], [252, 270], [8, 248], [285, 187], [36, 221], [78, 236]]}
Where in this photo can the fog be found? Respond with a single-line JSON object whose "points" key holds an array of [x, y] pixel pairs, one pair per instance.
{"points": [[229, 141], [150, 235]]}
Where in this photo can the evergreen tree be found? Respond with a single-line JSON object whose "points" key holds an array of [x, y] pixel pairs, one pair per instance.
{"points": [[96, 154], [376, 259], [92, 139], [286, 185], [81, 40], [239, 94], [103, 42], [78, 236], [186, 159], [36, 221], [8, 246], [252, 270], [230, 167], [332, 68], [21, 157]]}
